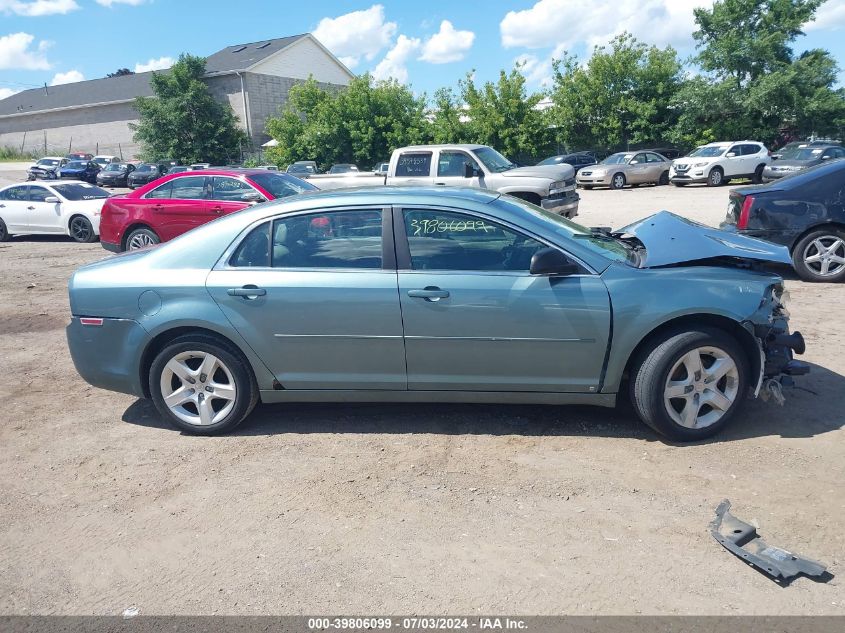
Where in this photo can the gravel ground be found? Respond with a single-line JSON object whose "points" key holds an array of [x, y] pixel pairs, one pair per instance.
{"points": [[402, 509]]}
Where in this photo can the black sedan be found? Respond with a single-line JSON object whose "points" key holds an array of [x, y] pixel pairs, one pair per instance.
{"points": [[115, 175], [801, 157], [86, 170], [805, 212], [577, 160], [146, 173]]}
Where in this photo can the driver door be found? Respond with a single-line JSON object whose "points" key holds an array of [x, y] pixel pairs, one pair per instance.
{"points": [[227, 195], [451, 169], [637, 169], [44, 217]]}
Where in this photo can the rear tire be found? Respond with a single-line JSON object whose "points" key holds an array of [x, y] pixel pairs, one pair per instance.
{"points": [[664, 178], [81, 229], [688, 385], [223, 391], [617, 181], [141, 238], [5, 236], [758, 175], [820, 256]]}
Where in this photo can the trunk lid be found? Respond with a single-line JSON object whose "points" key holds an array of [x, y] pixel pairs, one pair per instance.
{"points": [[670, 240]]}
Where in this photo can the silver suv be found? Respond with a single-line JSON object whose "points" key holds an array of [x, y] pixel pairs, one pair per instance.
{"points": [[718, 163]]}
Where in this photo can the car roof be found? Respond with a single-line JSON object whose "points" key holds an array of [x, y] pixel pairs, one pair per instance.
{"points": [[52, 157], [445, 146], [49, 183]]}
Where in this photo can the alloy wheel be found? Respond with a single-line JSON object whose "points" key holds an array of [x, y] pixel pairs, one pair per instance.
{"points": [[716, 177], [198, 388], [140, 240], [81, 229], [825, 255], [702, 385]]}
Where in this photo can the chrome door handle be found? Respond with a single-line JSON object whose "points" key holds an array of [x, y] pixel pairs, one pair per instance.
{"points": [[247, 292], [31, 208], [429, 293], [217, 209], [441, 184]]}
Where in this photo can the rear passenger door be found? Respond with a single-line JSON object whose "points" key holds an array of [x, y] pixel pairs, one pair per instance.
{"points": [[13, 208], [413, 168], [179, 205]]}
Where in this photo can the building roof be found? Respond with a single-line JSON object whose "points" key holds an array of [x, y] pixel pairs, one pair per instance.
{"points": [[235, 58], [105, 90], [244, 56]]}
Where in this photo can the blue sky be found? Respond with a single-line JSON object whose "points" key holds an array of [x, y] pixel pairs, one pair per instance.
{"points": [[427, 44]]}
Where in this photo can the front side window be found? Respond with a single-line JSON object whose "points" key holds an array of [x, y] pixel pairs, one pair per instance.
{"points": [[188, 188], [639, 158], [414, 165], [164, 191], [654, 158], [444, 240], [336, 239], [38, 194], [454, 164], [230, 189], [254, 250]]}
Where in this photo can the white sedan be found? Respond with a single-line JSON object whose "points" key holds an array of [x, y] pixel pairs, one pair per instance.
{"points": [[68, 207]]}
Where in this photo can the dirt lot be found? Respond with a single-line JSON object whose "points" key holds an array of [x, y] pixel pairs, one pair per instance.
{"points": [[402, 509]]}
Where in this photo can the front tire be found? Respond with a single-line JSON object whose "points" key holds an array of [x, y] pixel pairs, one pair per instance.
{"points": [[688, 385], [820, 256], [716, 177], [202, 386], [141, 238], [618, 181], [81, 230]]}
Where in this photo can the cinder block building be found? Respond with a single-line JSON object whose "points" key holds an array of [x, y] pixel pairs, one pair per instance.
{"points": [[94, 115]]}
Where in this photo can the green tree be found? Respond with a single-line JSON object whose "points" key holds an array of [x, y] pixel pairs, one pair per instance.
{"points": [[504, 116], [622, 96], [448, 119], [363, 123], [183, 120], [755, 86]]}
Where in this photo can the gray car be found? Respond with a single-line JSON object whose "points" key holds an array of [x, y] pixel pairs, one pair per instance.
{"points": [[626, 168], [801, 157], [435, 295]]}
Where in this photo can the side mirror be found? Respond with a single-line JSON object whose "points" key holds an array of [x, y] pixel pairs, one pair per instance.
{"points": [[52, 199], [634, 162], [550, 261], [730, 155], [253, 196], [470, 171], [825, 157]]}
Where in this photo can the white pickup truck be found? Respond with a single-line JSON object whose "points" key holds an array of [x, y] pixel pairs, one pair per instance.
{"points": [[549, 186]]}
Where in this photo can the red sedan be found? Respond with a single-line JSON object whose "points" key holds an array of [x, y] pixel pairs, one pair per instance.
{"points": [[176, 203]]}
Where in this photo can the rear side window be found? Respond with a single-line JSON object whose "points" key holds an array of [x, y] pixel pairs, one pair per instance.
{"points": [[14, 193], [337, 239], [188, 188], [417, 164]]}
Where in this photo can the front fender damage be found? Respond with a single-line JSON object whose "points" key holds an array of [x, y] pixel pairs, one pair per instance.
{"points": [[741, 538]]}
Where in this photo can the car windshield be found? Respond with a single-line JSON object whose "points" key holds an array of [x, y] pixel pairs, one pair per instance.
{"points": [[602, 243], [281, 185], [116, 167], [708, 151], [493, 160], [76, 191], [301, 169], [342, 169], [555, 160], [77, 164], [617, 159], [49, 162], [802, 153], [145, 168]]}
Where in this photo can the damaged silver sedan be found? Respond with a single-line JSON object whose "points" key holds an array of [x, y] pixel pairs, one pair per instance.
{"points": [[436, 295]]}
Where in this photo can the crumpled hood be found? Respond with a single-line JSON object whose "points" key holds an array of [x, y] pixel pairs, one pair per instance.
{"points": [[670, 239], [552, 172]]}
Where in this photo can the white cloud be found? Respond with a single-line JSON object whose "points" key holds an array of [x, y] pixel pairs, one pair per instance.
{"points": [[536, 71], [154, 64], [109, 3], [447, 45], [567, 23], [358, 34], [69, 77], [7, 92], [36, 8], [829, 17], [15, 52], [393, 64]]}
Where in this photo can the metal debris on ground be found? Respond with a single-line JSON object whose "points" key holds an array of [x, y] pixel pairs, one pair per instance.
{"points": [[741, 538]]}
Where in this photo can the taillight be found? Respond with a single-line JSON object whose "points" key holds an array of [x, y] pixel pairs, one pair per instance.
{"points": [[745, 212]]}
